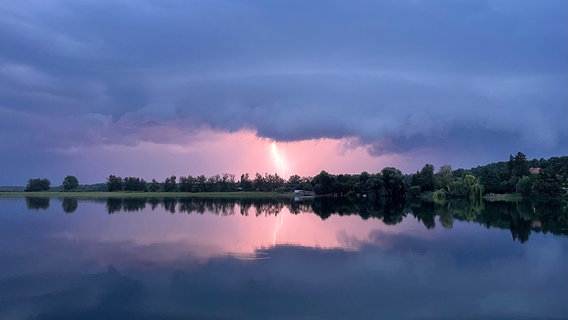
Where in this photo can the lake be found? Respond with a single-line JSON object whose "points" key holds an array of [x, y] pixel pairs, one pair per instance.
{"points": [[281, 259]]}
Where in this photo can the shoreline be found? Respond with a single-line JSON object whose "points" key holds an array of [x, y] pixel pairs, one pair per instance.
{"points": [[102, 194]]}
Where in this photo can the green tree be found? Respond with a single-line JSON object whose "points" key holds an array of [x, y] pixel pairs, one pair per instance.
{"points": [[170, 184], [200, 184], [375, 185], [186, 184], [474, 189], [274, 181], [547, 183], [323, 183], [214, 183], [444, 178], [361, 185], [414, 191], [114, 183], [259, 182], [393, 182], [425, 178], [70, 183], [458, 189], [518, 165], [525, 185], [308, 186], [228, 182], [38, 184], [245, 183], [439, 196], [294, 182], [154, 186], [134, 184]]}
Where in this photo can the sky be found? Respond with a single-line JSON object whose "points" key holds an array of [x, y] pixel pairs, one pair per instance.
{"points": [[154, 88]]}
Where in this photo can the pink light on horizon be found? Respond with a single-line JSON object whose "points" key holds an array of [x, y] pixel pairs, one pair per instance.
{"points": [[210, 152], [309, 157]]}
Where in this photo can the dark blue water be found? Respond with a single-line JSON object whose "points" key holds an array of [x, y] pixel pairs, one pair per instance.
{"points": [[232, 260]]}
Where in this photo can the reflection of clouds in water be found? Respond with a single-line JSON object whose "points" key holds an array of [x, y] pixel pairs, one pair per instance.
{"points": [[348, 241], [404, 281], [519, 305], [167, 266], [543, 258]]}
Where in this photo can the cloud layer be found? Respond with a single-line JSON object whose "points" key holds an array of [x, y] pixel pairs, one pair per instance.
{"points": [[395, 76]]}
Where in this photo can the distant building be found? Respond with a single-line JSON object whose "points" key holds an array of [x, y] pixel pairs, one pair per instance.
{"points": [[534, 170], [301, 194], [307, 193]]}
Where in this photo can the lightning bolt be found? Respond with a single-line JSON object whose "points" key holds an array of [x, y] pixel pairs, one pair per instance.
{"points": [[278, 161]]}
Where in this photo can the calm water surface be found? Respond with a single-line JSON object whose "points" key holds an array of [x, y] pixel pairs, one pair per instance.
{"points": [[231, 259]]}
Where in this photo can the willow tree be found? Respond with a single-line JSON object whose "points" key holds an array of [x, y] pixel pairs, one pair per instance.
{"points": [[444, 178], [474, 188]]}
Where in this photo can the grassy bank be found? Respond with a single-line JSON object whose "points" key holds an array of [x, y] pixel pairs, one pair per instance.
{"points": [[79, 195], [505, 197]]}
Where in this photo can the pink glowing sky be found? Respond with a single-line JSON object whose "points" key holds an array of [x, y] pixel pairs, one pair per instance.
{"points": [[88, 93], [210, 152]]}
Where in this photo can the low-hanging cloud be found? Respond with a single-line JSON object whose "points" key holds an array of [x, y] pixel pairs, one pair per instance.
{"points": [[393, 75]]}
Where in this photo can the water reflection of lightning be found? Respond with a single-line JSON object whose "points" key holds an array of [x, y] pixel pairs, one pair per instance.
{"points": [[278, 226], [278, 161]]}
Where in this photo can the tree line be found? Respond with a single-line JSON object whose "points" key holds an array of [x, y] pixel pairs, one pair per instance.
{"points": [[389, 183], [517, 175], [70, 183]]}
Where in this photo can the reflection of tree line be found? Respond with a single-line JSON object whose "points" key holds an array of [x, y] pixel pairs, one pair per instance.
{"points": [[69, 205], [37, 203], [224, 207], [521, 217]]}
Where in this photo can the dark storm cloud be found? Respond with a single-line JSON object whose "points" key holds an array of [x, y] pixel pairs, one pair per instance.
{"points": [[395, 75]]}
